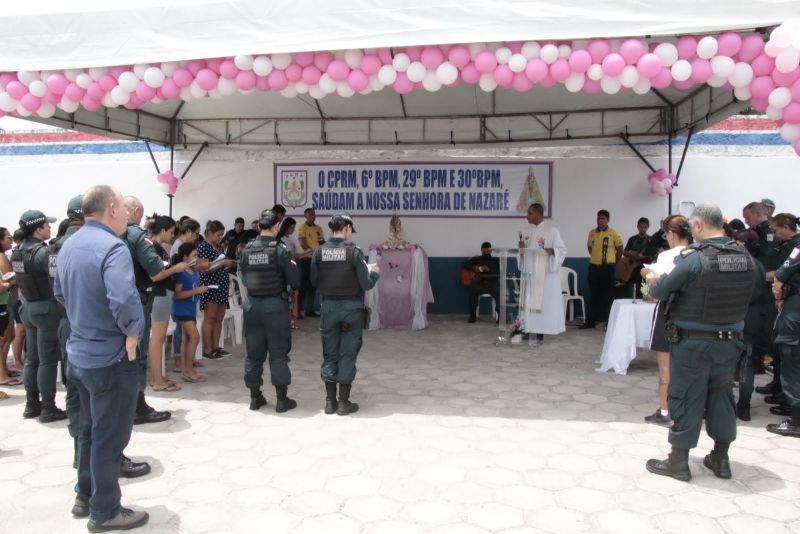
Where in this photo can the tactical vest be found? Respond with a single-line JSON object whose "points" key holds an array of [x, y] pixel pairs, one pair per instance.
{"points": [[143, 281], [52, 255], [33, 286], [261, 274], [722, 291], [337, 272]]}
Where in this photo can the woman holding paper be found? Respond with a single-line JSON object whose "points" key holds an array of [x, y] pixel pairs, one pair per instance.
{"points": [[214, 302], [678, 235], [163, 230]]}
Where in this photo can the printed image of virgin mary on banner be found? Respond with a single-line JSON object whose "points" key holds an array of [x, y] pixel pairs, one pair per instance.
{"points": [[530, 194]]}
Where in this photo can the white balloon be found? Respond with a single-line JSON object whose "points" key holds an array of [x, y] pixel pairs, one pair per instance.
{"points": [[742, 93], [416, 72], [610, 85], [780, 97], [243, 61], [681, 70], [46, 110], [327, 84], [317, 93], [774, 113], [742, 75], [667, 53], [387, 75], [301, 87], [27, 76], [119, 95], [475, 49], [401, 62], [154, 77], [262, 65], [37, 88], [108, 101], [289, 91], [503, 54], [707, 47], [787, 61], [771, 49], [353, 58], [575, 82], [128, 81], [549, 53], [72, 74], [215, 94], [367, 90], [281, 61], [7, 103], [531, 49], [196, 90], [431, 82], [375, 83], [186, 94], [43, 75], [642, 87], [226, 87], [156, 100], [169, 68], [790, 132], [781, 36], [517, 63], [448, 73], [595, 72], [344, 90], [83, 80], [487, 82], [722, 66], [138, 70], [716, 81], [796, 40], [564, 51], [22, 111], [629, 76], [70, 106]]}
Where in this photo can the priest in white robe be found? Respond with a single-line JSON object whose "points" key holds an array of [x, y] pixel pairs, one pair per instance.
{"points": [[542, 252]]}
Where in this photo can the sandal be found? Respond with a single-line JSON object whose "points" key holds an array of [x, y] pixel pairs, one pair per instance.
{"points": [[12, 382], [193, 380], [14, 373], [197, 363], [169, 387]]}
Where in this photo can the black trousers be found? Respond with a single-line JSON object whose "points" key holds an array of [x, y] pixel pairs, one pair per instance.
{"points": [[601, 285], [480, 287]]}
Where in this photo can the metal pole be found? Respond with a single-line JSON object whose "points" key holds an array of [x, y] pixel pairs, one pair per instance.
{"points": [[202, 147], [152, 157], [669, 168], [624, 138]]}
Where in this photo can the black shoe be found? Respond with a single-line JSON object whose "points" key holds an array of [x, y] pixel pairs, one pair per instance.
{"points": [[472, 319], [743, 412], [257, 401], [678, 470], [81, 507], [51, 412], [770, 388], [127, 519], [222, 352], [213, 355], [658, 419], [780, 410], [776, 398], [785, 428], [284, 405], [151, 416], [586, 326], [312, 314], [720, 466], [331, 406], [33, 406], [345, 407], [130, 469]]}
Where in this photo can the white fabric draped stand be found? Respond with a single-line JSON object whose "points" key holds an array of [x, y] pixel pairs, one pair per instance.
{"points": [[629, 327]]}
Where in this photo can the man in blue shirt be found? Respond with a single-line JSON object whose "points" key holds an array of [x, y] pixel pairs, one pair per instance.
{"points": [[94, 282]]}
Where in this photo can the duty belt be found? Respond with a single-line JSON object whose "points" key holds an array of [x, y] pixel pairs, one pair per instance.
{"points": [[719, 335]]}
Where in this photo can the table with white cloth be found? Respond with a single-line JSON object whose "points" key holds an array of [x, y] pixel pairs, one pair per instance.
{"points": [[400, 299], [629, 325]]}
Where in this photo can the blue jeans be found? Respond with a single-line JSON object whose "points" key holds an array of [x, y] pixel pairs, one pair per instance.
{"points": [[108, 404]]}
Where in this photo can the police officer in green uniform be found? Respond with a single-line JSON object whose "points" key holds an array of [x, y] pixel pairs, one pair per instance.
{"points": [[148, 267], [267, 268], [708, 293], [40, 317], [340, 272], [787, 340]]}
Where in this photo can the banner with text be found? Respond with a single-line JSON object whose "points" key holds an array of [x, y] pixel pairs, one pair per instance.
{"points": [[416, 189]]}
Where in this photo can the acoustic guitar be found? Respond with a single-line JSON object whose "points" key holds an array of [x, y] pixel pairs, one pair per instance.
{"points": [[466, 277], [626, 266]]}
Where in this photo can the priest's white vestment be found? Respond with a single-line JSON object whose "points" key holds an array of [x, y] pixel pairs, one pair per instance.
{"points": [[541, 301]]}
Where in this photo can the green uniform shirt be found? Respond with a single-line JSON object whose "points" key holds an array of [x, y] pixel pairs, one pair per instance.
{"points": [[285, 262], [146, 261]]}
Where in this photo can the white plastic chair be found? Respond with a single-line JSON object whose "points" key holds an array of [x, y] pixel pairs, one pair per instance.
{"points": [[569, 293], [494, 307], [236, 296]]}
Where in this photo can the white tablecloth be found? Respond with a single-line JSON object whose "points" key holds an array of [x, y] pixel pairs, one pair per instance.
{"points": [[629, 327]]}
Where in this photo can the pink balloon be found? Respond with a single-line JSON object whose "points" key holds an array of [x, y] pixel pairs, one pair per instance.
{"points": [[729, 44], [560, 70], [304, 59], [759, 104], [52, 97], [631, 50], [207, 79], [228, 69], [431, 57], [16, 89], [160, 93], [515, 47], [262, 83], [195, 66], [649, 65], [485, 62], [791, 113], [402, 84], [183, 78], [459, 56], [548, 81], [580, 60], [215, 63], [277, 80], [90, 104], [591, 87], [311, 75], [797, 147], [522, 83], [2, 113], [796, 91], [763, 65], [357, 80], [145, 92], [752, 46], [74, 92], [385, 55], [687, 46], [683, 85], [119, 69], [663, 79], [470, 74], [322, 60], [338, 70], [761, 87], [613, 64], [170, 89], [536, 70], [246, 80], [782, 79], [701, 70], [414, 52], [294, 72], [371, 64], [599, 49], [660, 173], [6, 78], [95, 91], [107, 82], [504, 76], [57, 83]]}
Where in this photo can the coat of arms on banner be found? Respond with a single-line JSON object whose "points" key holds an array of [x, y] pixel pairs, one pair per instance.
{"points": [[293, 188]]}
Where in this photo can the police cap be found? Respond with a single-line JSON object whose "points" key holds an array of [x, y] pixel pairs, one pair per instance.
{"points": [[74, 209], [340, 220], [768, 202], [33, 218], [268, 219]]}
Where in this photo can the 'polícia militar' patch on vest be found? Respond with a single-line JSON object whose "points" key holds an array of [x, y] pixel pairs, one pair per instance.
{"points": [[18, 266], [732, 263], [258, 259], [333, 254], [52, 265]]}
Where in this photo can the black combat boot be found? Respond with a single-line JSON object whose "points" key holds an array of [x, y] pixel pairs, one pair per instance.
{"points": [[330, 398], [790, 427], [717, 460], [284, 403], [676, 465], [147, 414], [345, 406], [257, 399], [51, 412], [33, 406]]}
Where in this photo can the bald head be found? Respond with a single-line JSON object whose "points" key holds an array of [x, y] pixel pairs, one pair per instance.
{"points": [[105, 205], [135, 209]]}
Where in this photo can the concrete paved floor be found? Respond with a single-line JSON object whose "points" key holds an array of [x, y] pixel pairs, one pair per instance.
{"points": [[454, 436]]}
